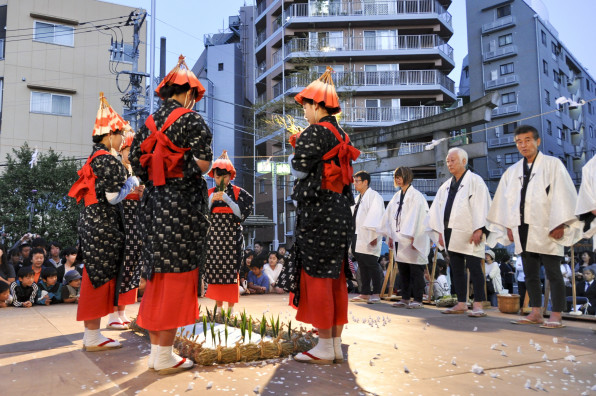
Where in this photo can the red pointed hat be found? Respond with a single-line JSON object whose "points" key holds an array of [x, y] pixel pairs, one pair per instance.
{"points": [[322, 91], [128, 137], [107, 119], [223, 162], [181, 75]]}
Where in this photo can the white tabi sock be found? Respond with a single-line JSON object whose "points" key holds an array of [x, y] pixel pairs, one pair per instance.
{"points": [[94, 338], [152, 356], [123, 317], [166, 358], [324, 349], [114, 318], [337, 348]]}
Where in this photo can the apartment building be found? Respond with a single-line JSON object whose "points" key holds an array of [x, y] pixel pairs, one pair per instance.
{"points": [[54, 61], [513, 49], [391, 60]]}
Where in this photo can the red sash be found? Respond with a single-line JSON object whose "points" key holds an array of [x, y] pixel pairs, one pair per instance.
{"points": [[224, 209], [336, 177], [84, 188], [162, 158], [133, 197]]}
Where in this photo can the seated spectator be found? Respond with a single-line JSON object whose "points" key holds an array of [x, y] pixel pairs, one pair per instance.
{"points": [[587, 290], [567, 274], [14, 259], [282, 252], [37, 259], [54, 256], [258, 283], [24, 256], [49, 290], [71, 287], [69, 262], [244, 270], [272, 270], [494, 286], [24, 290], [7, 273], [5, 299], [441, 286]]}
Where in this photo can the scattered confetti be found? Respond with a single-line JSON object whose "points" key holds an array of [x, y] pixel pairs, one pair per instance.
{"points": [[476, 369], [453, 361], [493, 346], [538, 385], [475, 329], [406, 370], [570, 358], [209, 384], [503, 353], [494, 375], [567, 348], [531, 341], [190, 386], [566, 371], [544, 357], [257, 390], [528, 384], [555, 340]]}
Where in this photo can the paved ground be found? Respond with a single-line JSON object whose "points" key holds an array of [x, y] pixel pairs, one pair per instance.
{"points": [[40, 353]]}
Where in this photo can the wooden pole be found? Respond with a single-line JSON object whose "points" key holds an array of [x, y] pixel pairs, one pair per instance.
{"points": [[392, 279], [573, 289], [432, 276]]}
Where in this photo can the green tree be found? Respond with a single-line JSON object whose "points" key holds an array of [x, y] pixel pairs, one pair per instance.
{"points": [[38, 195]]}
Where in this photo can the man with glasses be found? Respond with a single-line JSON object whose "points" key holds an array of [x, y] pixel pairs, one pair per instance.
{"points": [[534, 208], [366, 243], [456, 222]]}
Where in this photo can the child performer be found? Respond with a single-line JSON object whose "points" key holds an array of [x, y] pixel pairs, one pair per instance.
{"points": [[170, 153], [229, 207], [130, 273], [323, 166], [103, 185]]}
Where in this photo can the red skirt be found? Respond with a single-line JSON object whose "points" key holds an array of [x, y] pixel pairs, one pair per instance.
{"points": [[229, 293], [323, 301], [95, 303], [128, 298], [170, 301]]}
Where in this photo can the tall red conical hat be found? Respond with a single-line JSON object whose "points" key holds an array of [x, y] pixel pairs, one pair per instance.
{"points": [[322, 90], [181, 75], [128, 137], [107, 119], [223, 162]]}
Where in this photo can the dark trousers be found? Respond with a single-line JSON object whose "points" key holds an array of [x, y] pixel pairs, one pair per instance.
{"points": [[370, 271], [459, 262], [521, 290], [552, 268], [412, 276]]}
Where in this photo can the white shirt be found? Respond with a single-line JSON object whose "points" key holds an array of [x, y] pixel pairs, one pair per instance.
{"points": [[369, 214], [272, 274]]}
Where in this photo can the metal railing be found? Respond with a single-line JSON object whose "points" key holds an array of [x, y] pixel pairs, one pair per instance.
{"points": [[384, 185], [261, 37], [261, 7], [261, 68], [382, 114], [278, 89], [369, 8], [500, 53], [502, 111], [411, 148], [378, 43], [378, 78], [501, 82], [501, 142], [498, 24], [276, 57]]}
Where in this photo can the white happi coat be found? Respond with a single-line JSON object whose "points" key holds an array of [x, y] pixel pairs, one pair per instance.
{"points": [[586, 199], [369, 213], [550, 202], [411, 225], [468, 214]]}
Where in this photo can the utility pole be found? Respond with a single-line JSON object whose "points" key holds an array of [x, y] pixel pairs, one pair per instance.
{"points": [[132, 110]]}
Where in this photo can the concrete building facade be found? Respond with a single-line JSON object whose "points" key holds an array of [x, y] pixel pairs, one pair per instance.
{"points": [[391, 60], [54, 62], [514, 50]]}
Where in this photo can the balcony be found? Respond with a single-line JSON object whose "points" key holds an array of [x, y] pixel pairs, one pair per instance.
{"points": [[501, 23], [504, 111], [415, 8], [376, 44], [261, 7], [501, 82], [402, 78], [278, 89], [261, 68], [503, 52], [388, 114], [501, 142], [261, 37], [384, 185]]}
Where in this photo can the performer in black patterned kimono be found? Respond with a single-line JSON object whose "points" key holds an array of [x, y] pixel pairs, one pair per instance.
{"points": [[170, 153], [102, 184], [322, 164], [229, 208], [130, 272]]}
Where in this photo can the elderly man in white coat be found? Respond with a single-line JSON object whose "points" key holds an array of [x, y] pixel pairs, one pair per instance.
{"points": [[456, 222], [403, 225], [366, 243], [534, 207], [586, 200]]}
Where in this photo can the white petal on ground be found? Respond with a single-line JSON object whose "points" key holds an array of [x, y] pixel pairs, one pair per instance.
{"points": [[493, 346], [503, 353], [528, 384], [531, 341], [476, 369], [406, 370], [538, 347], [538, 385], [518, 349], [475, 329], [209, 384], [494, 375], [555, 340], [503, 344], [257, 390], [372, 363], [190, 386], [570, 358], [567, 348], [565, 371], [453, 361], [544, 357], [394, 346]]}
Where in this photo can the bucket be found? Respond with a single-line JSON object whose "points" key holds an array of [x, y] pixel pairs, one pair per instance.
{"points": [[508, 303]]}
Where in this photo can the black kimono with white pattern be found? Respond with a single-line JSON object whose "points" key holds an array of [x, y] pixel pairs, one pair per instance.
{"points": [[174, 216], [100, 226], [132, 265], [225, 246], [324, 226]]}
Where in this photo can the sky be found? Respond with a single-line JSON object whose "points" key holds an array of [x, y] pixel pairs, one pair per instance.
{"points": [[185, 22]]}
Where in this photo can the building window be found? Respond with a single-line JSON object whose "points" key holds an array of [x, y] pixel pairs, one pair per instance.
{"points": [[220, 67], [509, 128], [556, 76], [54, 34], [262, 186], [512, 158], [125, 54], [507, 68], [587, 84], [555, 49], [549, 127], [545, 67], [505, 39], [504, 11], [560, 133], [546, 97], [544, 38], [508, 98], [281, 182], [591, 131], [49, 103]]}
